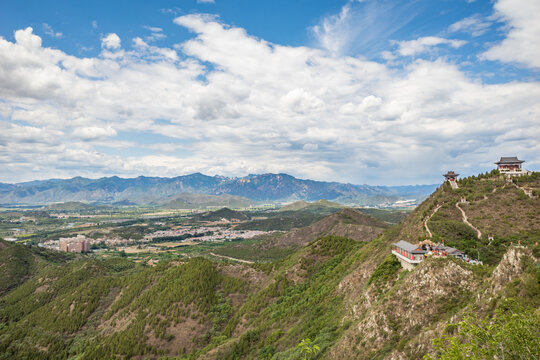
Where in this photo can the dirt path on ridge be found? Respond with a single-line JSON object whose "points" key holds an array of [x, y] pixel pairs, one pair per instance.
{"points": [[529, 194], [466, 221], [233, 259], [429, 217]]}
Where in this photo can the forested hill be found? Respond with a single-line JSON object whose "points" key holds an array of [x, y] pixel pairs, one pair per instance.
{"points": [[351, 298], [174, 191]]}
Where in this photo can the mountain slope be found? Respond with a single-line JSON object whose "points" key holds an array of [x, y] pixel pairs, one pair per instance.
{"points": [[198, 201], [351, 298], [349, 223], [223, 213], [501, 211], [18, 263], [313, 207]]}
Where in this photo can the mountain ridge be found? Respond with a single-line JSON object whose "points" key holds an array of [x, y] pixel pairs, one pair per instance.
{"points": [[147, 190]]}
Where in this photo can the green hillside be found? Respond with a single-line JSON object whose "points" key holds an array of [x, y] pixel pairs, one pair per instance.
{"points": [[348, 223], [296, 215], [389, 216], [202, 201], [341, 288], [18, 263], [315, 206], [223, 213], [282, 221]]}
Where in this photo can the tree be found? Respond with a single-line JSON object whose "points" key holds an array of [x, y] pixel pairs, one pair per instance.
{"points": [[512, 334], [308, 349]]}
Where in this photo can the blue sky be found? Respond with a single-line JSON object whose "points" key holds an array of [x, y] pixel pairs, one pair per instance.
{"points": [[379, 92]]}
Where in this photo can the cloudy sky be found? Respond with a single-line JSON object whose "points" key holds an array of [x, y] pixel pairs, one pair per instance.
{"points": [[372, 91]]}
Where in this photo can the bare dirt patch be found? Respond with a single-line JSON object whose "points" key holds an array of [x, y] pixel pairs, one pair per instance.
{"points": [[255, 278], [184, 337], [41, 289]]}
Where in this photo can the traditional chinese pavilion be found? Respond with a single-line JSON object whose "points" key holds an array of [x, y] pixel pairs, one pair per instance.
{"points": [[509, 164], [450, 176]]}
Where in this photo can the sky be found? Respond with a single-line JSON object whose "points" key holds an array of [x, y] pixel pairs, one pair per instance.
{"points": [[374, 91]]}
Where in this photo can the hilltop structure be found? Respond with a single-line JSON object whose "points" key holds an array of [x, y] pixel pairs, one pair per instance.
{"points": [[451, 178], [410, 255], [76, 244], [511, 166]]}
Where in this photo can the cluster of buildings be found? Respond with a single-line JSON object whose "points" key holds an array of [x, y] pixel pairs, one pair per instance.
{"points": [[81, 244], [410, 255], [509, 166], [207, 233], [77, 244]]}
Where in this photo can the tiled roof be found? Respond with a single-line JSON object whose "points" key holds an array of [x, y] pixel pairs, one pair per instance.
{"points": [[509, 160], [407, 246]]}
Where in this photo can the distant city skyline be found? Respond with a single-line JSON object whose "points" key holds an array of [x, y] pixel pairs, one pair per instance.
{"points": [[362, 92]]}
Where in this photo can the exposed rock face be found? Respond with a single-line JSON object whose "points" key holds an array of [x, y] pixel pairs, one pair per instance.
{"points": [[424, 299], [415, 307], [509, 268]]}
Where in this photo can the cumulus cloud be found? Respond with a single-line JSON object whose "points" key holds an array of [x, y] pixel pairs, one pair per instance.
{"points": [[260, 107], [27, 39], [301, 101], [521, 43], [93, 132], [423, 44], [111, 41]]}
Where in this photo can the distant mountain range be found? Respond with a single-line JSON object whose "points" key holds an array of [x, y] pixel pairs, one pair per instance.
{"points": [[160, 191]]}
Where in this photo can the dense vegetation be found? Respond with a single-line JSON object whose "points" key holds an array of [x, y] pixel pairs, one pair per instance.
{"points": [[512, 333], [484, 199], [223, 213], [389, 216], [283, 221], [350, 297]]}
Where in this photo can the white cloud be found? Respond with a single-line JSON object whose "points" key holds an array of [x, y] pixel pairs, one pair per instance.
{"points": [[301, 101], [49, 31], [206, 1], [475, 25], [260, 107], [153, 28], [310, 147], [332, 32], [362, 26], [423, 44], [156, 33], [93, 132], [95, 24], [521, 43], [27, 39], [111, 41]]}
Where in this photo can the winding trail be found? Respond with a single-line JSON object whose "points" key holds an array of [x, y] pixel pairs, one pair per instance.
{"points": [[466, 221], [528, 193], [233, 259], [429, 217]]}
